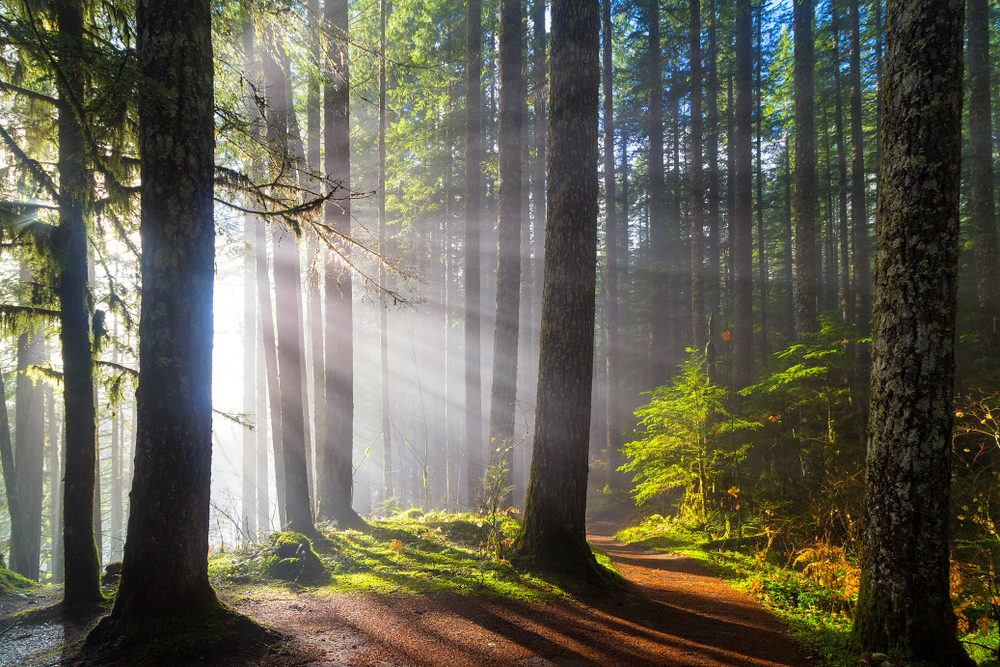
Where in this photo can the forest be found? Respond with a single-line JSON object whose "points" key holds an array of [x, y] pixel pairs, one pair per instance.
{"points": [[447, 303]]}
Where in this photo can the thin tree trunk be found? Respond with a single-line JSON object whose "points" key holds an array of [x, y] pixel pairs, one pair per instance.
{"points": [[713, 193], [504, 388], [538, 185], [81, 557], [846, 291], [18, 548], [699, 334], [982, 206], [611, 256], [387, 463], [805, 172], [859, 209], [659, 242], [765, 345], [741, 238]]}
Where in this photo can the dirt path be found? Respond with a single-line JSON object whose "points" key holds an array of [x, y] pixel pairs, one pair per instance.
{"points": [[674, 613]]}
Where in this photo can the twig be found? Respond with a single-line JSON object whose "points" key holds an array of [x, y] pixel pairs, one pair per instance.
{"points": [[5, 630]]}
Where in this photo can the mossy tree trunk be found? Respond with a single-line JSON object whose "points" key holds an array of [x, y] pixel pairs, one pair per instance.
{"points": [[904, 608], [554, 533], [165, 568], [504, 386], [81, 557]]}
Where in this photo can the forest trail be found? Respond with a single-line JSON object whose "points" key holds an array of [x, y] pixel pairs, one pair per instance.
{"points": [[676, 612]]}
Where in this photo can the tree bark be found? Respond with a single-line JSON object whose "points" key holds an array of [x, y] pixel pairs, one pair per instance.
{"points": [[846, 293], [18, 548], [611, 257], [741, 241], [473, 211], [165, 568], [81, 557], [712, 192], [904, 607], [762, 271], [658, 231], [337, 460], [699, 333], [982, 205], [805, 172], [383, 317], [504, 387], [29, 447], [554, 532]]}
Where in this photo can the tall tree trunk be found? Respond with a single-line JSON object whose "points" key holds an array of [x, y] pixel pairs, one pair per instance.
{"points": [[846, 292], [473, 212], [538, 184], [904, 606], [504, 387], [263, 387], [271, 368], [165, 568], [451, 476], [288, 305], [383, 318], [765, 344], [525, 334], [250, 509], [18, 548], [658, 231], [859, 210], [554, 532], [117, 535], [727, 249], [699, 333], [29, 445], [56, 474], [316, 266], [81, 556], [337, 459], [611, 256], [713, 193], [741, 237], [805, 172], [982, 206]]}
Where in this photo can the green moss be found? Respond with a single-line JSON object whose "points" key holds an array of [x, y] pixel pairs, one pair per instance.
{"points": [[12, 581], [291, 558]]}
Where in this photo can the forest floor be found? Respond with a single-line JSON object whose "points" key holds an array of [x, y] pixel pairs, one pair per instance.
{"points": [[672, 611]]}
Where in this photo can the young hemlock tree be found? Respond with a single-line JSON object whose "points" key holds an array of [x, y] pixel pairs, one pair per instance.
{"points": [[904, 606]]}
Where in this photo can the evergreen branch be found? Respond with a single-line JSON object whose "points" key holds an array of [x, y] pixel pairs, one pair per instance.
{"points": [[239, 418], [14, 319], [30, 94], [33, 166]]}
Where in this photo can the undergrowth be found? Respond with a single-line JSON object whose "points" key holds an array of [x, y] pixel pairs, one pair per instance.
{"points": [[407, 553], [814, 589], [11, 582]]}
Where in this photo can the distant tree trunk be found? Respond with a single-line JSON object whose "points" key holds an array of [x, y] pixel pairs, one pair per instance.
{"points": [[503, 394], [81, 556], [473, 211], [698, 332], [250, 510], [982, 206], [859, 211], [904, 607], [765, 344], [658, 232], [788, 263], [712, 192], [525, 334], [29, 445], [337, 460], [846, 293], [55, 490], [805, 171], [727, 249], [316, 266], [165, 567], [18, 548], [263, 387], [741, 239], [383, 318], [451, 476], [554, 534], [610, 257], [271, 368], [117, 535], [288, 303]]}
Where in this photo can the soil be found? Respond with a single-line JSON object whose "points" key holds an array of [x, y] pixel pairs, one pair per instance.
{"points": [[673, 611]]}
